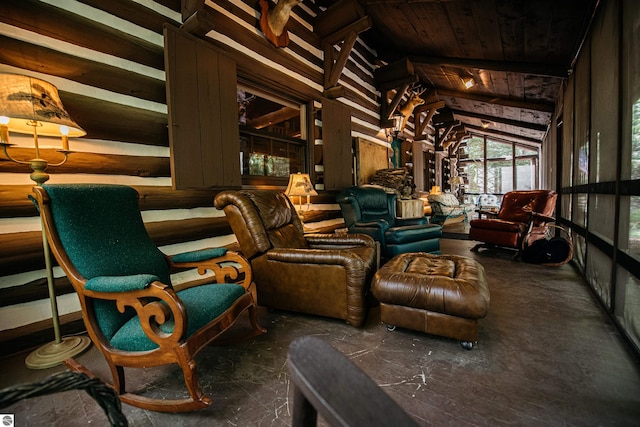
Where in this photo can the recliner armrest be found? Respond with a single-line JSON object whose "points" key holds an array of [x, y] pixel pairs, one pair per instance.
{"points": [[339, 240], [488, 213], [381, 224], [401, 222], [316, 256], [542, 218]]}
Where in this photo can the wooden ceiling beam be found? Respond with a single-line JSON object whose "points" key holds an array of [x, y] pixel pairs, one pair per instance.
{"points": [[510, 122], [547, 107], [440, 138], [199, 24], [421, 123], [511, 136], [340, 25], [548, 70]]}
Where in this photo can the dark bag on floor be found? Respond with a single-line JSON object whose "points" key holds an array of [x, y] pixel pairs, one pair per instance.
{"points": [[547, 251]]}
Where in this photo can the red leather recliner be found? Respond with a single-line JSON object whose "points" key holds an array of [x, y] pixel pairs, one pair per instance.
{"points": [[522, 213]]}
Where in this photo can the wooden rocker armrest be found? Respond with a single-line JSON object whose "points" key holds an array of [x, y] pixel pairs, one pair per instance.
{"points": [[197, 255], [116, 284], [155, 304], [227, 266]]}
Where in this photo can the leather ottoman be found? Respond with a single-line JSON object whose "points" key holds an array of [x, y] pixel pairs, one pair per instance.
{"points": [[443, 295]]}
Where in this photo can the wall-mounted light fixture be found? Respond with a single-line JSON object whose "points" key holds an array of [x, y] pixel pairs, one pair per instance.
{"points": [[468, 82], [33, 106], [397, 123], [396, 144], [485, 124]]}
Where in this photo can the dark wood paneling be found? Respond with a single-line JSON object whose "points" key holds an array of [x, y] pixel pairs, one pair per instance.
{"points": [[336, 147], [102, 164], [293, 26], [110, 121], [248, 66], [44, 60], [33, 291], [202, 91], [15, 202], [59, 24], [133, 12], [21, 252], [36, 334]]}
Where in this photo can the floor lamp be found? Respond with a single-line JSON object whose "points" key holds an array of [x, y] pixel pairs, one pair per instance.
{"points": [[33, 106]]}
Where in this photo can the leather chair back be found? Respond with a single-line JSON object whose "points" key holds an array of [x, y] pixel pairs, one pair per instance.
{"points": [[364, 204], [261, 220], [517, 205]]}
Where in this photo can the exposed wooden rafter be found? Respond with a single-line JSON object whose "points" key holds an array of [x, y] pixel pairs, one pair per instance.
{"points": [[507, 135], [421, 121], [511, 122], [397, 77], [199, 23], [190, 7], [387, 107], [339, 25], [547, 107], [548, 70], [441, 137]]}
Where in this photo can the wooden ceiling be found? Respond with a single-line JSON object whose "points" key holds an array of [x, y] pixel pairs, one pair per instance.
{"points": [[517, 51]]}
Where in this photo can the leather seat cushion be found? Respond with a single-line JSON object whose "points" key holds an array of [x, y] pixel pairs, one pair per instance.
{"points": [[447, 284]]}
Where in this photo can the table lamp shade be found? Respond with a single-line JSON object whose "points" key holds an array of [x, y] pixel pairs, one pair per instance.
{"points": [[300, 185], [25, 100]]}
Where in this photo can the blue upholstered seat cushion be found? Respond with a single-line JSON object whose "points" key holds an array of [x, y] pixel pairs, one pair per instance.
{"points": [[203, 304]]}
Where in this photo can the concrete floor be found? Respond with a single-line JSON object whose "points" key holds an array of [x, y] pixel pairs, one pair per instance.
{"points": [[546, 356]]}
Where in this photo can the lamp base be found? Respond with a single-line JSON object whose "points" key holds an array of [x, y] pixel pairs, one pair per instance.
{"points": [[53, 353]]}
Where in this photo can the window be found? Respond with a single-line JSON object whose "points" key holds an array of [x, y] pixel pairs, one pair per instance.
{"points": [[498, 167], [272, 137]]}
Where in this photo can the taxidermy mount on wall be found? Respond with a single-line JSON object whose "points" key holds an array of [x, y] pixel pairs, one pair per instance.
{"points": [[273, 22]]}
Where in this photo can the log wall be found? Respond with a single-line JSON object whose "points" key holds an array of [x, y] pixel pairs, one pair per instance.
{"points": [[106, 59]]}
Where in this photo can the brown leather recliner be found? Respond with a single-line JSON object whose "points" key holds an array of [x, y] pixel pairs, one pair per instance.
{"points": [[522, 214], [321, 274]]}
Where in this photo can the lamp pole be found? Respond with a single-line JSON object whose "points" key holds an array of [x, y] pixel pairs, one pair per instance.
{"points": [[33, 106]]}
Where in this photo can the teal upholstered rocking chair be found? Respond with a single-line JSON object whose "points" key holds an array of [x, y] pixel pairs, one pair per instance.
{"points": [[130, 309]]}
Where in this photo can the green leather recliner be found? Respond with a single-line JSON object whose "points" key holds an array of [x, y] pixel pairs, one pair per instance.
{"points": [[371, 210]]}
